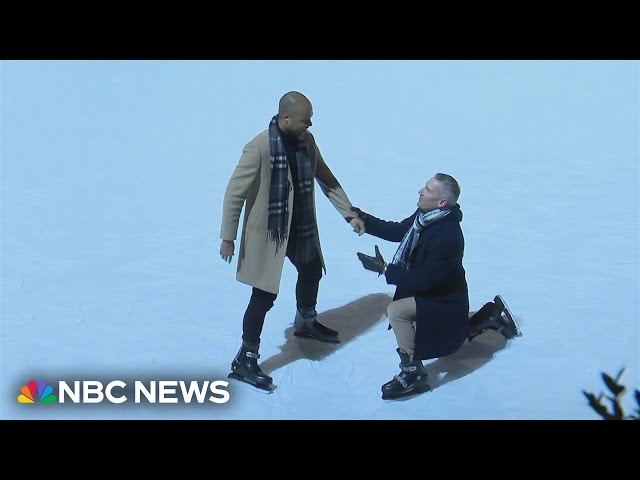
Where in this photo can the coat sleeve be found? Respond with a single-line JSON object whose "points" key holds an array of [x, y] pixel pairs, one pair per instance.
{"points": [[442, 263], [244, 175], [331, 187], [390, 231]]}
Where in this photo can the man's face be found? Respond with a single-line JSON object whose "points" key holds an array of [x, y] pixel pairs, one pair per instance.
{"points": [[431, 196], [298, 120]]}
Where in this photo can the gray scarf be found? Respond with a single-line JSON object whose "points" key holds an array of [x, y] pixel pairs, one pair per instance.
{"points": [[410, 239]]}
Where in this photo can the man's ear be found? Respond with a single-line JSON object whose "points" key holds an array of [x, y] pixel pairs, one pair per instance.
{"points": [[443, 203]]}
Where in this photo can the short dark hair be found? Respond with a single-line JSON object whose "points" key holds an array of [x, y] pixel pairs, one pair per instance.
{"points": [[450, 187]]}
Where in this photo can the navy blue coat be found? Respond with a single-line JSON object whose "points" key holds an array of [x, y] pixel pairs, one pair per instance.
{"points": [[435, 277]]}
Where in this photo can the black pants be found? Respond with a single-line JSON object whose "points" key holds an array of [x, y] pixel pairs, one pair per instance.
{"points": [[309, 276]]}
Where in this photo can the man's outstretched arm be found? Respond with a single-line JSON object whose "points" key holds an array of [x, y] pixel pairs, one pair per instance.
{"points": [[332, 188]]}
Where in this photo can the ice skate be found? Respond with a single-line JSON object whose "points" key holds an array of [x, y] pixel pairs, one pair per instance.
{"points": [[245, 368], [412, 380], [496, 316], [306, 325], [510, 328]]}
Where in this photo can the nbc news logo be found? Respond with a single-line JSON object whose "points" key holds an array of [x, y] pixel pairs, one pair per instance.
{"points": [[117, 392], [28, 393]]}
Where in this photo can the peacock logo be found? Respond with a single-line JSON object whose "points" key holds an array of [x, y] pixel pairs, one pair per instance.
{"points": [[28, 393]]}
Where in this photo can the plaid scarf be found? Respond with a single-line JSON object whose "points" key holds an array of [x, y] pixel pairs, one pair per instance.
{"points": [[410, 239], [305, 221]]}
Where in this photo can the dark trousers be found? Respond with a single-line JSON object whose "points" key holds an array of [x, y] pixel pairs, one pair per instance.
{"points": [[309, 276]]}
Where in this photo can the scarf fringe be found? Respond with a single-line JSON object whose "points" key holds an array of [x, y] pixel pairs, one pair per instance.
{"points": [[277, 236]]}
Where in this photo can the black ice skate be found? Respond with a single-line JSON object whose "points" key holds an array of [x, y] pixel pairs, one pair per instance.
{"points": [[511, 328], [306, 325], [412, 380], [245, 368], [490, 316]]}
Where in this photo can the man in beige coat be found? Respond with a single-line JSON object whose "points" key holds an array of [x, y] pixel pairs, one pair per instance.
{"points": [[274, 180]]}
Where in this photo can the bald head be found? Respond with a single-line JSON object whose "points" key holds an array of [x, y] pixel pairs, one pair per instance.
{"points": [[294, 114], [292, 102]]}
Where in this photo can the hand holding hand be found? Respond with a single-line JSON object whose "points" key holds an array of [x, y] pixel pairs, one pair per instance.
{"points": [[358, 225], [358, 222]]}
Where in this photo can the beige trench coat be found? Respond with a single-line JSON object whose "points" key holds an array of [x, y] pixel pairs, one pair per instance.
{"points": [[259, 265]]}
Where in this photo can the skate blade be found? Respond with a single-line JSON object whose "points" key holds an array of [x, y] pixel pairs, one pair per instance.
{"points": [[331, 333], [509, 314], [259, 386], [325, 339]]}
